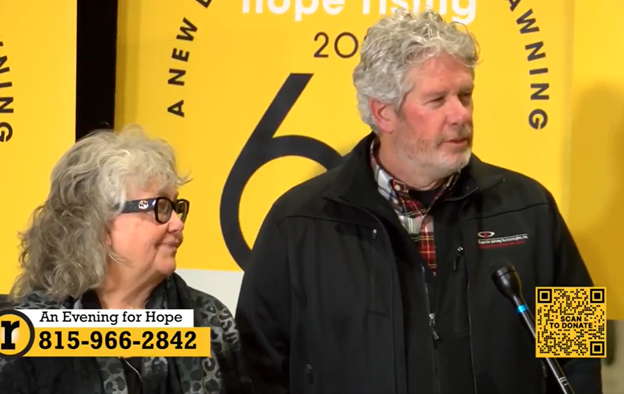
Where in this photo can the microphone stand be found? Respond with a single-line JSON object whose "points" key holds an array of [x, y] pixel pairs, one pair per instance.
{"points": [[508, 283], [553, 364]]}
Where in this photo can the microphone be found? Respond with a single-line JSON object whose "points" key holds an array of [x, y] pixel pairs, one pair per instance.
{"points": [[508, 284]]}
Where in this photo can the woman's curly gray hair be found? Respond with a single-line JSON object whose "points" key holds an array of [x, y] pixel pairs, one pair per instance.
{"points": [[63, 252], [397, 43]]}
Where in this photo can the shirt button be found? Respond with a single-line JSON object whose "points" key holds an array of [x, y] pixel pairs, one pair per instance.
{"points": [[397, 187]]}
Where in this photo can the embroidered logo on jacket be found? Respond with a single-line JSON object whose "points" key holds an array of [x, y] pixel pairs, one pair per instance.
{"points": [[488, 240]]}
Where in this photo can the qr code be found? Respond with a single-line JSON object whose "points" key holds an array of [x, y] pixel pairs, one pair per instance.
{"points": [[571, 322]]}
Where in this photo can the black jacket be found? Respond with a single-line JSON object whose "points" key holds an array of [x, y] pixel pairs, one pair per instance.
{"points": [[333, 299]]}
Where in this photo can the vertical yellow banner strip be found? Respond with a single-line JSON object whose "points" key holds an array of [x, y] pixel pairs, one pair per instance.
{"points": [[523, 88], [597, 141], [37, 110]]}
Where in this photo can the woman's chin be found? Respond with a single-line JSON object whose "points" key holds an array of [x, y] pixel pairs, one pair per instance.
{"points": [[166, 266]]}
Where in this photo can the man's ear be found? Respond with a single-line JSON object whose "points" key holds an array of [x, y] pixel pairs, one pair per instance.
{"points": [[384, 115]]}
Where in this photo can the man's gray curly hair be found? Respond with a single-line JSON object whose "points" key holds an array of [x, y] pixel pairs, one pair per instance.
{"points": [[397, 43], [63, 252]]}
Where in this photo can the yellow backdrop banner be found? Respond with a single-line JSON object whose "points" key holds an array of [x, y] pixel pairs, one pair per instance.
{"points": [[37, 110], [596, 142], [256, 96]]}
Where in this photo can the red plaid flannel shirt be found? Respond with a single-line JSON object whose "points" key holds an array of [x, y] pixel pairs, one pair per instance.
{"points": [[413, 214]]}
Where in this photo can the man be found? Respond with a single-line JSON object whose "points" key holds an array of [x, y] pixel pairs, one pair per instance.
{"points": [[375, 276]]}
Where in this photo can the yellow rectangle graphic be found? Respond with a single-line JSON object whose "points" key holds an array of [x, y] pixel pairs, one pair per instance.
{"points": [[571, 322], [120, 342]]}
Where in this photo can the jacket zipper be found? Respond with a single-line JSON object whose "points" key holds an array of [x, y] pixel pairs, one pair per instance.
{"points": [[474, 371], [434, 334], [309, 374], [456, 261]]}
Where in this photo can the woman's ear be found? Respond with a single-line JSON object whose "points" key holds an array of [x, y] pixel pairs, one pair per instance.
{"points": [[108, 240]]}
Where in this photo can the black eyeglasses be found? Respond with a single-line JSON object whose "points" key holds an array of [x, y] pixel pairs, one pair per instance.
{"points": [[161, 206]]}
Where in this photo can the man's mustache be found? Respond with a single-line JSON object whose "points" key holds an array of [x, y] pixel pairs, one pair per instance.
{"points": [[462, 132]]}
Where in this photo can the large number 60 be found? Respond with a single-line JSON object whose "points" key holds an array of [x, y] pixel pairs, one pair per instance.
{"points": [[260, 149]]}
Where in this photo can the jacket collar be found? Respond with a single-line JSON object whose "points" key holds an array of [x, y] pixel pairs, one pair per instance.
{"points": [[355, 183]]}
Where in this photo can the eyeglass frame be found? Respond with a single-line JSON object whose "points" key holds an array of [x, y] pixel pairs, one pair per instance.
{"points": [[151, 204]]}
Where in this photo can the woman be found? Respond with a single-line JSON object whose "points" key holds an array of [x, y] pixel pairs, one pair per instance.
{"points": [[107, 237]]}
